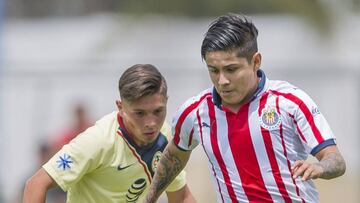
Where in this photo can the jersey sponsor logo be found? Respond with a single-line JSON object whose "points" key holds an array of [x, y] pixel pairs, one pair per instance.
{"points": [[315, 111], [64, 162], [205, 124], [135, 190], [119, 168], [269, 118], [155, 160]]}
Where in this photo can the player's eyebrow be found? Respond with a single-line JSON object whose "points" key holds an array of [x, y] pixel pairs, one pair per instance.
{"points": [[159, 108], [232, 65]]}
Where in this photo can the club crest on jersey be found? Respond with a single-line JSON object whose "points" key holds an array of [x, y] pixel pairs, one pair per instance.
{"points": [[64, 162], [155, 160], [270, 118]]}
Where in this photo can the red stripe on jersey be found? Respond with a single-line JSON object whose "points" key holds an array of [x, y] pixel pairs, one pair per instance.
{"points": [[284, 148], [183, 115], [298, 128], [191, 137], [136, 155], [271, 153], [244, 156], [216, 150], [202, 143], [306, 112]]}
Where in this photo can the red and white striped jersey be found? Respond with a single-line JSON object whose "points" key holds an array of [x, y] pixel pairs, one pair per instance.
{"points": [[250, 152]]}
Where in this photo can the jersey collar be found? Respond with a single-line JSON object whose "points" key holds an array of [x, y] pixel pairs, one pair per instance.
{"points": [[260, 73]]}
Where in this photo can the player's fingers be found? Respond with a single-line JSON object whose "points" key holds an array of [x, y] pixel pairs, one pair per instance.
{"points": [[307, 174], [297, 164], [299, 170]]}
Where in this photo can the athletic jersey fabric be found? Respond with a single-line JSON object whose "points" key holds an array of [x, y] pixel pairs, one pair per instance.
{"points": [[250, 152], [102, 164]]}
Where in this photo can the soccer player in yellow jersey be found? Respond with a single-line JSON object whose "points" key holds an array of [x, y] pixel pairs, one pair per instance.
{"points": [[115, 160]]}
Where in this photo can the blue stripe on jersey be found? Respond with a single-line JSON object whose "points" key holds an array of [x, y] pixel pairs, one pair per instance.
{"points": [[147, 152], [260, 73], [322, 146]]}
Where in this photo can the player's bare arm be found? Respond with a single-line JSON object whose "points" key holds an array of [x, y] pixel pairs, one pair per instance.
{"points": [[331, 165], [183, 195], [37, 186], [171, 163]]}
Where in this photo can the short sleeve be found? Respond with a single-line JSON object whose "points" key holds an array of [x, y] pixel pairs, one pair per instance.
{"points": [[82, 155], [184, 132], [180, 180], [178, 183], [312, 127]]}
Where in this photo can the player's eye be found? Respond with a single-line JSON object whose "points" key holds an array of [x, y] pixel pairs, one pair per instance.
{"points": [[213, 70], [231, 70], [158, 111], [139, 113]]}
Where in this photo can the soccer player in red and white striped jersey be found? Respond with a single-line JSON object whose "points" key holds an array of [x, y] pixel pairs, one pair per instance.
{"points": [[257, 133]]}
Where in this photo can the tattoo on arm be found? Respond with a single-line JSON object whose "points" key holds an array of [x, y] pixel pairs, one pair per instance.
{"points": [[169, 167], [333, 165], [172, 167]]}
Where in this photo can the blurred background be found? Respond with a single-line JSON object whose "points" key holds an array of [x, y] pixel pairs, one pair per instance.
{"points": [[60, 62]]}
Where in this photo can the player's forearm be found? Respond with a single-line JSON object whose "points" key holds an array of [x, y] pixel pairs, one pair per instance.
{"points": [[183, 195], [34, 193], [188, 197], [171, 163], [37, 186], [333, 165]]}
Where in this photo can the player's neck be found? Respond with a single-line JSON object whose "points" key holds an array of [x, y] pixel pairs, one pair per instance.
{"points": [[236, 107]]}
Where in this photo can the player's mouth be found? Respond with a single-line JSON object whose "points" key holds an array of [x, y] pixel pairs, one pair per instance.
{"points": [[226, 93], [150, 134]]}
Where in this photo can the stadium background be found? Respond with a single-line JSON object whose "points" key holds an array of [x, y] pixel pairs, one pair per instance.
{"points": [[54, 54]]}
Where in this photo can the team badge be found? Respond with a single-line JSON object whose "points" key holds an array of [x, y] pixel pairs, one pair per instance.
{"points": [[269, 118], [155, 160], [64, 162]]}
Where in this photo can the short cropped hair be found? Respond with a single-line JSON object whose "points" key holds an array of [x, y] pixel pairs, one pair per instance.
{"points": [[141, 80], [231, 32]]}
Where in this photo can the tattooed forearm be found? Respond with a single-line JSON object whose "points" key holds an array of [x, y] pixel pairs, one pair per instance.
{"points": [[333, 165], [169, 167]]}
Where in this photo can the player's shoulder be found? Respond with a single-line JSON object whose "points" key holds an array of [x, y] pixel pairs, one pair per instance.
{"points": [[107, 122], [104, 129], [281, 86], [166, 130], [284, 87], [292, 92]]}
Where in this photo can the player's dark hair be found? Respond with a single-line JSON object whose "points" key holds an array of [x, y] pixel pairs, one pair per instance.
{"points": [[141, 80], [231, 32]]}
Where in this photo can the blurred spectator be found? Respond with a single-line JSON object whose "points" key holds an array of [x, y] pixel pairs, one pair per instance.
{"points": [[46, 150], [80, 123], [55, 195]]}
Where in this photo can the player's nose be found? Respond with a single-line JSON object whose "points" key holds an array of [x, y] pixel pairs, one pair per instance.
{"points": [[222, 79]]}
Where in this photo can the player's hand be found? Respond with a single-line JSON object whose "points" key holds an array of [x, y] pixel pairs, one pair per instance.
{"points": [[306, 170]]}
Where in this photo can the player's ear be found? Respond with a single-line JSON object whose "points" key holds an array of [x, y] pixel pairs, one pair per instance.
{"points": [[256, 59], [119, 106]]}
